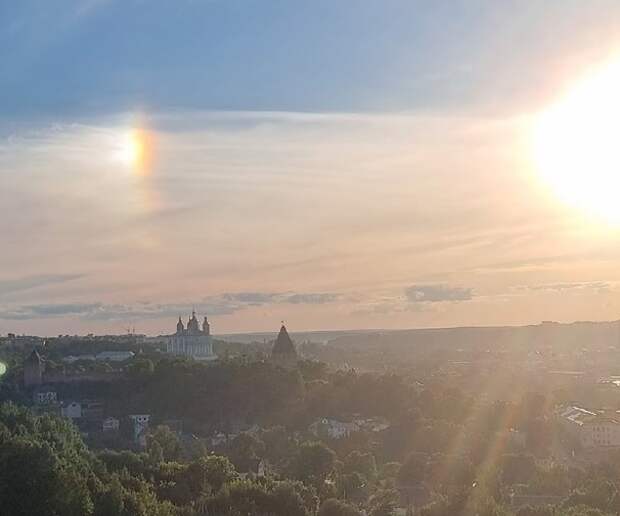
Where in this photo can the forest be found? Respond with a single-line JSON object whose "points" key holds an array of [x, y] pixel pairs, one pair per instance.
{"points": [[443, 450]]}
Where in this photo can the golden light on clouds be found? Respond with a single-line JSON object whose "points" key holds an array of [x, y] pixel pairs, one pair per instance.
{"points": [[576, 144]]}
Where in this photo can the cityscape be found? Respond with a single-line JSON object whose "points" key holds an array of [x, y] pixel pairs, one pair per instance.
{"points": [[309, 258]]}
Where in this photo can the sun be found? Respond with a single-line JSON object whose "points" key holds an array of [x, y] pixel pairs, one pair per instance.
{"points": [[135, 149], [576, 145]]}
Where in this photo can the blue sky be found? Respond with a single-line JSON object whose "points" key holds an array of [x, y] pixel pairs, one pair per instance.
{"points": [[338, 164], [96, 56]]}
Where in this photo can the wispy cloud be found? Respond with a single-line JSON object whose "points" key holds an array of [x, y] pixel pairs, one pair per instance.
{"points": [[438, 293], [32, 282], [46, 311], [600, 286], [224, 304]]}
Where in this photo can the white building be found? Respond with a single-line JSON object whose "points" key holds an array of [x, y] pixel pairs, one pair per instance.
{"points": [[373, 424], [593, 428], [45, 396], [111, 424], [333, 429], [192, 341], [71, 410]]}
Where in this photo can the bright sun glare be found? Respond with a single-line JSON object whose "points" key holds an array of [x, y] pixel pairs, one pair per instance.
{"points": [[577, 145]]}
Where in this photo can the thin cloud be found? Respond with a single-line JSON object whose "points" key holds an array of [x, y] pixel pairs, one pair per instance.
{"points": [[46, 311], [437, 293], [562, 287], [32, 282], [224, 304]]}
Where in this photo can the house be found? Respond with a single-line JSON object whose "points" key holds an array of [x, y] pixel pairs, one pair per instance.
{"points": [[92, 410], [373, 424], [333, 429], [219, 439], [45, 395], [110, 424], [72, 410]]}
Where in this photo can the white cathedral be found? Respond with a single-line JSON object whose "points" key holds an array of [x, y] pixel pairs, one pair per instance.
{"points": [[191, 341]]}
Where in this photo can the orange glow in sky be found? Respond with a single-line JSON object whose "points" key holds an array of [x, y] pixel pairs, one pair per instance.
{"points": [[136, 150]]}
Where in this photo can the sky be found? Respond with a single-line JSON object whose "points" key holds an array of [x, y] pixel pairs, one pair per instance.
{"points": [[336, 165]]}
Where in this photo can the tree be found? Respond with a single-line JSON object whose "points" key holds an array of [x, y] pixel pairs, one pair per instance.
{"points": [[34, 479], [363, 463], [383, 502], [209, 473], [287, 500], [163, 442], [334, 507], [278, 446], [44, 465], [413, 470], [353, 486], [246, 497], [110, 499], [517, 469], [245, 450], [314, 462]]}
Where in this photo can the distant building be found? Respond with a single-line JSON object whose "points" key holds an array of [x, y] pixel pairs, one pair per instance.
{"points": [[103, 356], [33, 369], [192, 341], [333, 429], [92, 410], [140, 424], [110, 424], [45, 395], [219, 439], [373, 424], [71, 410], [283, 352], [35, 373], [592, 428]]}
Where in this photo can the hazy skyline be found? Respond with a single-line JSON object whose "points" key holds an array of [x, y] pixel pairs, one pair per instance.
{"points": [[338, 165]]}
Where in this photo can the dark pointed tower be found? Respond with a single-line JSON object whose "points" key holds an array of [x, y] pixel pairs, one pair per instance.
{"points": [[206, 327], [33, 369], [283, 352], [180, 327]]}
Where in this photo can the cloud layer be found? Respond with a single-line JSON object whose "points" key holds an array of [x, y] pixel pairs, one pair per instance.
{"points": [[325, 220], [224, 304]]}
